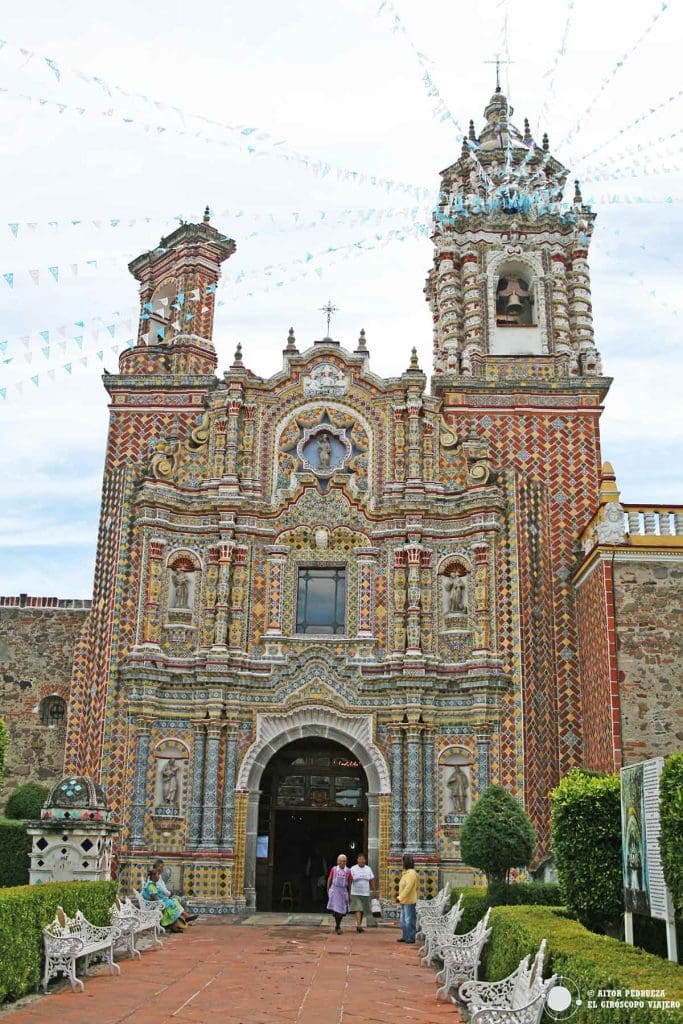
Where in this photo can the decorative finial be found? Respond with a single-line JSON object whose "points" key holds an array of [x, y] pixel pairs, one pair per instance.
{"points": [[291, 341], [414, 364], [329, 309], [237, 361], [207, 214], [527, 130], [471, 131], [578, 198], [465, 148], [546, 143], [362, 343]]}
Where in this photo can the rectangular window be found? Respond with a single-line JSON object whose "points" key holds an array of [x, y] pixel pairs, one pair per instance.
{"points": [[321, 601]]}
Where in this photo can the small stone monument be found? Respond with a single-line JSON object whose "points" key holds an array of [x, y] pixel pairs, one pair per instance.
{"points": [[73, 840]]}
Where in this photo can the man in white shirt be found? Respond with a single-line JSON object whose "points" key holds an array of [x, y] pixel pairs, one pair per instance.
{"points": [[361, 878]]}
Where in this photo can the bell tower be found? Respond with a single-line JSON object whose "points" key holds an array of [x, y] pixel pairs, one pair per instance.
{"points": [[516, 368], [510, 275]]}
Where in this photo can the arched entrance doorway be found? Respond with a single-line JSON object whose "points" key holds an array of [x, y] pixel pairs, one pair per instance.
{"points": [[313, 807]]}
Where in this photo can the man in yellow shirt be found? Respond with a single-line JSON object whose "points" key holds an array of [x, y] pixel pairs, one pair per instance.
{"points": [[408, 890]]}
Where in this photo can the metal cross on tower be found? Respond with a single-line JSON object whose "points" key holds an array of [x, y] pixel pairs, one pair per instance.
{"points": [[498, 62], [329, 309]]}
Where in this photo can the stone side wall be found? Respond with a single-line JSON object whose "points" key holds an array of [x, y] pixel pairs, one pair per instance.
{"points": [[37, 639], [649, 627]]}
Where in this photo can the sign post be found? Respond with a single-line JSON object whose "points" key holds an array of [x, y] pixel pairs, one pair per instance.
{"points": [[645, 890]]}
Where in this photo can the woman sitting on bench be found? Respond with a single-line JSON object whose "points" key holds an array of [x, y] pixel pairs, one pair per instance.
{"points": [[174, 918]]}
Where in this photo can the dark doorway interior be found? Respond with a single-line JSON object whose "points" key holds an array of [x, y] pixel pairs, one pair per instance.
{"points": [[312, 808]]}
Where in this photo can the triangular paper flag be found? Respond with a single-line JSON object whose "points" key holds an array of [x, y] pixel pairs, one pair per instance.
{"points": [[3, 392], [9, 278], [51, 374], [74, 269], [45, 335], [14, 228], [35, 276], [67, 367], [35, 379], [46, 351], [55, 272], [112, 329]]}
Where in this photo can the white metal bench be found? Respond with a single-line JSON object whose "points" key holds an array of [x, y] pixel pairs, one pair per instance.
{"points": [[434, 913], [435, 905], [130, 921], [518, 989], [67, 939], [439, 932], [462, 956], [530, 1013], [155, 909]]}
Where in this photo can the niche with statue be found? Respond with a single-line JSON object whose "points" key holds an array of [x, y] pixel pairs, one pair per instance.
{"points": [[455, 766], [454, 596], [182, 592], [170, 761]]}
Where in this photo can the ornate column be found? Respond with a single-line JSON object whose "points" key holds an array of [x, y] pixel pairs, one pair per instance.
{"points": [[197, 785], [220, 638], [414, 408], [428, 776], [399, 603], [232, 436], [210, 805], [151, 623], [413, 635], [219, 450], [247, 444], [413, 807], [367, 559], [138, 809], [396, 734], [399, 443], [483, 763], [207, 622], [250, 850], [473, 312], [373, 833], [580, 309], [427, 616], [276, 570], [561, 341], [237, 628], [449, 310], [482, 627], [227, 828]]}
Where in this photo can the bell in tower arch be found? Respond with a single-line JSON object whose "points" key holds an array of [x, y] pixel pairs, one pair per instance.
{"points": [[513, 302]]}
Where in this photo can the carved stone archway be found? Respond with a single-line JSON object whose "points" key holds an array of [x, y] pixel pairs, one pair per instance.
{"points": [[274, 731]]}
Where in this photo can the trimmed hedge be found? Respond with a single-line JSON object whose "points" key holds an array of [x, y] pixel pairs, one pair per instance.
{"points": [[476, 900], [24, 912], [592, 962], [671, 836], [586, 834], [26, 801], [15, 846]]}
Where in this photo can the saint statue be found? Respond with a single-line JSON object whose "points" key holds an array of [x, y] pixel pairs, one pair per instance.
{"points": [[324, 452], [455, 594], [169, 782], [458, 786], [181, 589]]}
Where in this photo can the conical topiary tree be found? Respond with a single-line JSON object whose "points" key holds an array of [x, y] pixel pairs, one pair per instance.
{"points": [[497, 835]]}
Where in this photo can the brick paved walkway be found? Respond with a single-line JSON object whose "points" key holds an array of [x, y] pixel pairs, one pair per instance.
{"points": [[240, 974]]}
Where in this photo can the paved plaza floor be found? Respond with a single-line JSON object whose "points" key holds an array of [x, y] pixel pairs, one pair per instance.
{"points": [[266, 969]]}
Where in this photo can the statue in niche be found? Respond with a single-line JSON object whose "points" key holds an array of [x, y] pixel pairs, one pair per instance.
{"points": [[170, 782], [458, 787], [454, 594], [324, 452], [181, 589]]}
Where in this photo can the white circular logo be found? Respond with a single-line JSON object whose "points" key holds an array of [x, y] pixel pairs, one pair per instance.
{"points": [[563, 1000]]}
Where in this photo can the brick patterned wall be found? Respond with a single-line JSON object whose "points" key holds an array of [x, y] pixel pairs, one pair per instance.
{"points": [[649, 628], [37, 640], [598, 670]]}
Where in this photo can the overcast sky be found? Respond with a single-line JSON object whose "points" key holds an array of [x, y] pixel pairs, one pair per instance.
{"points": [[335, 84]]}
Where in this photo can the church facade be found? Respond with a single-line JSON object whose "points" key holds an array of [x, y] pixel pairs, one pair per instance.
{"points": [[331, 608]]}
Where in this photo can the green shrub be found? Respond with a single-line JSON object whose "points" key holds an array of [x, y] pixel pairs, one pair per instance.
{"points": [[586, 835], [497, 835], [592, 962], [671, 836], [24, 912], [4, 743], [476, 900], [26, 801], [15, 846]]}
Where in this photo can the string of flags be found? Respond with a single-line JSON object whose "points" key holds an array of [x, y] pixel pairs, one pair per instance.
{"points": [[551, 74], [663, 6], [244, 135], [630, 126]]}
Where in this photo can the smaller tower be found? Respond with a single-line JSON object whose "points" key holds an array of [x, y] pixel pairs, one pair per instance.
{"points": [[178, 283]]}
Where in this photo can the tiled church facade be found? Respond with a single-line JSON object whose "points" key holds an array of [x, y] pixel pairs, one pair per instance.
{"points": [[451, 516]]}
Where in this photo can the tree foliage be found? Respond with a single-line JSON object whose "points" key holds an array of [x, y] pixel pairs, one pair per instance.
{"points": [[497, 835], [4, 744], [26, 801], [671, 836], [586, 836]]}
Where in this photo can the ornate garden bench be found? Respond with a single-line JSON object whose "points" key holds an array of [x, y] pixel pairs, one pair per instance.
{"points": [[530, 1013], [67, 939], [130, 921], [518, 989], [153, 911], [439, 932], [461, 956], [433, 912]]}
